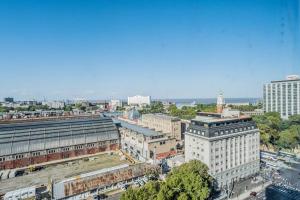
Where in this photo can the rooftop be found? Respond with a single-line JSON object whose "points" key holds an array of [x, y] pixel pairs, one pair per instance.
{"points": [[288, 79], [216, 117], [136, 128], [163, 116], [48, 121]]}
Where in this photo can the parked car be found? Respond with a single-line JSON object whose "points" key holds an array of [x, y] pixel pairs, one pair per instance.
{"points": [[253, 194]]}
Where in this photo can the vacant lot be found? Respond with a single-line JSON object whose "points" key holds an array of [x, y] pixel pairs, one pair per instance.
{"points": [[61, 171]]}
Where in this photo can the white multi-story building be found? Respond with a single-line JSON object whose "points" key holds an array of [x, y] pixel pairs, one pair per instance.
{"points": [[139, 100], [114, 103], [228, 146], [54, 104], [283, 96]]}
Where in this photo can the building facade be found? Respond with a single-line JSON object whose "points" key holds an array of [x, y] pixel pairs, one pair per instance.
{"points": [[115, 103], [228, 146], [28, 143], [256, 112], [54, 104], [139, 100], [170, 126], [9, 99], [282, 96], [145, 144]]}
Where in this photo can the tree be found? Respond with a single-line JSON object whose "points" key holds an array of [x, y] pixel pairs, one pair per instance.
{"points": [[68, 108], [206, 107], [290, 138], [189, 181], [147, 192], [155, 107], [294, 120], [269, 125], [264, 134]]}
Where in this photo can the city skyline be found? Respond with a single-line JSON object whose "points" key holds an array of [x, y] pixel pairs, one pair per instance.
{"points": [[169, 49]]}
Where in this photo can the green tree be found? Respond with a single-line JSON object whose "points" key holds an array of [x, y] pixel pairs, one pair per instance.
{"points": [[189, 181], [264, 134], [206, 107], [290, 138], [68, 108], [294, 120], [269, 125], [147, 192], [155, 107]]}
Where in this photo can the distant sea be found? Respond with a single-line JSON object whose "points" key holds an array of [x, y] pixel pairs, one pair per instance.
{"points": [[180, 102]]}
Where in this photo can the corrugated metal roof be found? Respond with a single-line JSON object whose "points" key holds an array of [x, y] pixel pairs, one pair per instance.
{"points": [[136, 128], [51, 122]]}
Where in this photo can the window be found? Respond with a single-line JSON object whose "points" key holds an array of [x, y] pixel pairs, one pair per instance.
{"points": [[151, 154], [92, 145]]}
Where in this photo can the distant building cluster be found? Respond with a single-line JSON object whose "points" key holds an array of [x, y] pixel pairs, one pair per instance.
{"points": [[10, 103], [31, 114], [227, 140]]}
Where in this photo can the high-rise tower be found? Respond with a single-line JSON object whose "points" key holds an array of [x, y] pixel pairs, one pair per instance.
{"points": [[283, 96], [220, 103]]}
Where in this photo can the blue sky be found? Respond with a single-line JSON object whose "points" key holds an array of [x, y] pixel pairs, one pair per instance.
{"points": [[166, 49]]}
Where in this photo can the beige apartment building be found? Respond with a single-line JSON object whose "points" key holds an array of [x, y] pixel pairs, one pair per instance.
{"points": [[145, 144], [229, 146], [170, 126]]}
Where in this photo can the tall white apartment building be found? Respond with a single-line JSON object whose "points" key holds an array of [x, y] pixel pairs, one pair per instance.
{"points": [[139, 100], [229, 146], [283, 96]]}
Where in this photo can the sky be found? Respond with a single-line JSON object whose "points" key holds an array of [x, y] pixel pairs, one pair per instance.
{"points": [[104, 49]]}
